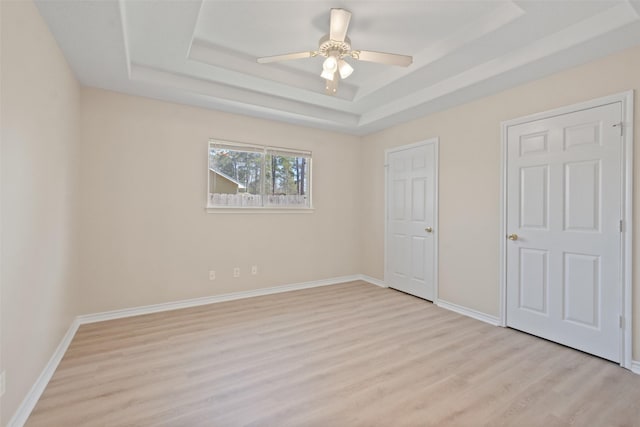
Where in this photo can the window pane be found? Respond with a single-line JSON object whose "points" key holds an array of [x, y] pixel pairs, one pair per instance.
{"points": [[243, 175], [287, 180], [235, 177]]}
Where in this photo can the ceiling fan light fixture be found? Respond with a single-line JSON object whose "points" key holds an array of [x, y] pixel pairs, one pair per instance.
{"points": [[330, 64], [344, 68], [328, 75]]}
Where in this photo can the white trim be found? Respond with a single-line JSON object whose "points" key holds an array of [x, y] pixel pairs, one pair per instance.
{"points": [[195, 302], [29, 402], [635, 366], [469, 312], [627, 244], [125, 36], [257, 210], [195, 28], [626, 99], [502, 247], [436, 220], [373, 280], [586, 105], [435, 141]]}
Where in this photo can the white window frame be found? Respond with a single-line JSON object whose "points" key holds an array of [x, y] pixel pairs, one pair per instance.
{"points": [[264, 149]]}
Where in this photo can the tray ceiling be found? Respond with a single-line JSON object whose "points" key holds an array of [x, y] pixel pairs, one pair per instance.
{"points": [[203, 53]]}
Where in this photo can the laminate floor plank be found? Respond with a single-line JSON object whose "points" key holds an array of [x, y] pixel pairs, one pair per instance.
{"points": [[343, 355]]}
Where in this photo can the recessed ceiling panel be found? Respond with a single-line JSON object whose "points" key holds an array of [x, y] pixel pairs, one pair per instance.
{"points": [[387, 26]]}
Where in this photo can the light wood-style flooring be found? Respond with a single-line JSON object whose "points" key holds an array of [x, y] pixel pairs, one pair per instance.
{"points": [[343, 355]]}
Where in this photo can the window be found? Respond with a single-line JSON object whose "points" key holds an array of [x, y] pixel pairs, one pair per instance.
{"points": [[249, 176]]}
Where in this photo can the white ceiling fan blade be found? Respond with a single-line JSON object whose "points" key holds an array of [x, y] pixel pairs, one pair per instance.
{"points": [[285, 57], [339, 24], [384, 58]]}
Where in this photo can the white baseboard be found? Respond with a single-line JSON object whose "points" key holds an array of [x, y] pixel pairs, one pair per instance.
{"points": [[635, 366], [30, 400], [478, 315], [194, 302], [373, 280]]}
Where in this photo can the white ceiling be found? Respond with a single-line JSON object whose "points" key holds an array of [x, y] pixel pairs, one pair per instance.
{"points": [[204, 53]]}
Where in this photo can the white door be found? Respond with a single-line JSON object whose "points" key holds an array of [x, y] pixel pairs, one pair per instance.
{"points": [[564, 204], [411, 219]]}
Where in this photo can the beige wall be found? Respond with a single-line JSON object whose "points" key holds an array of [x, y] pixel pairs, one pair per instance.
{"points": [[145, 235], [40, 136], [470, 177]]}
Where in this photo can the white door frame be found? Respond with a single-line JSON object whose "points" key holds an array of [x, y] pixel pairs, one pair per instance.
{"points": [[626, 259], [435, 141]]}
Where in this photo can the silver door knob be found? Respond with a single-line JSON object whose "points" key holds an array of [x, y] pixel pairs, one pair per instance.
{"points": [[429, 230], [513, 236]]}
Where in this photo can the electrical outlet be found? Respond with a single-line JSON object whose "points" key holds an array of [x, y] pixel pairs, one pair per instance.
{"points": [[236, 272], [212, 275], [3, 386], [254, 269]]}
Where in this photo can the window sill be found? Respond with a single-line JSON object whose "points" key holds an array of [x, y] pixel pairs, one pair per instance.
{"points": [[257, 210]]}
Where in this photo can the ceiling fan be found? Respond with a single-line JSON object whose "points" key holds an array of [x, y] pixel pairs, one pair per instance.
{"points": [[336, 46]]}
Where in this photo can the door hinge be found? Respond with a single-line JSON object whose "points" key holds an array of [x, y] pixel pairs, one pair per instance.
{"points": [[621, 226], [621, 322], [620, 126]]}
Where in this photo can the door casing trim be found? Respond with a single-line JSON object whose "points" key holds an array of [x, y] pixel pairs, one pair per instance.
{"points": [[626, 99], [435, 141]]}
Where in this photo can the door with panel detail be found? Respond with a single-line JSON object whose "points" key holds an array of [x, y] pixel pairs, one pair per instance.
{"points": [[564, 205], [411, 208]]}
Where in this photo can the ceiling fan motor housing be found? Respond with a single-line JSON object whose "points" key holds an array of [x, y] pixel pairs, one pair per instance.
{"points": [[327, 47]]}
